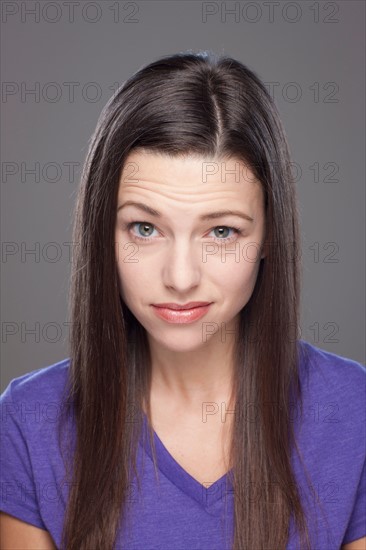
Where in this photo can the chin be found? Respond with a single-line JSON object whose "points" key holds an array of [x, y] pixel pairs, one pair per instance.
{"points": [[180, 343]]}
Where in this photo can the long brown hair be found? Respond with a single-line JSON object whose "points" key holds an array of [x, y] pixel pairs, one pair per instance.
{"points": [[184, 104]]}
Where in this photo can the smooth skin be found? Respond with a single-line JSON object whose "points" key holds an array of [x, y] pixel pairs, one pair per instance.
{"points": [[19, 535], [181, 258], [359, 544]]}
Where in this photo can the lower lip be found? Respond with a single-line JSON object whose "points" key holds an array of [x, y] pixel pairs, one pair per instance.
{"points": [[181, 315]]}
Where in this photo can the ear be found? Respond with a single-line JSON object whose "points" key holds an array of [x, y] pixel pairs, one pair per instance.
{"points": [[264, 250]]}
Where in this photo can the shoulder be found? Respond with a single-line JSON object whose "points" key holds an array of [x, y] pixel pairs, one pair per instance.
{"points": [[333, 395], [328, 373], [44, 382], [35, 400], [31, 464], [332, 439]]}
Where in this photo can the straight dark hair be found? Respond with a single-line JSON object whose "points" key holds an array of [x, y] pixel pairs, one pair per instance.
{"points": [[209, 106]]}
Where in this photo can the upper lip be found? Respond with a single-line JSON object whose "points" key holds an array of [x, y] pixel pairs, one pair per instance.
{"points": [[189, 305]]}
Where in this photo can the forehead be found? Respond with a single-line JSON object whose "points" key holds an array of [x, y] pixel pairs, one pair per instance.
{"points": [[189, 176]]}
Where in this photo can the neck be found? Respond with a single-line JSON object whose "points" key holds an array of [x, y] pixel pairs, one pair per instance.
{"points": [[190, 378]]}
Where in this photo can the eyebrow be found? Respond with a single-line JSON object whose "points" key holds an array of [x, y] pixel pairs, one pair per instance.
{"points": [[204, 217]]}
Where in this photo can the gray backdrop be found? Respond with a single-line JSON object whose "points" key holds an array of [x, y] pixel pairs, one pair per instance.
{"points": [[61, 62]]}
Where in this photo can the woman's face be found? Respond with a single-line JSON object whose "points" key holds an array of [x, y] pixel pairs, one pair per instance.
{"points": [[182, 254]]}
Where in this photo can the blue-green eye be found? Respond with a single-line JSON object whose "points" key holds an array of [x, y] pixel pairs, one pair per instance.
{"points": [[149, 227], [144, 226], [236, 230]]}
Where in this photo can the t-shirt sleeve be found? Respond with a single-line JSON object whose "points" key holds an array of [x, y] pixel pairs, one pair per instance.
{"points": [[357, 525], [19, 492]]}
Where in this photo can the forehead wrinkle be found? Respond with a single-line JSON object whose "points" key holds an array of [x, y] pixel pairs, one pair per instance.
{"points": [[220, 196], [191, 190]]}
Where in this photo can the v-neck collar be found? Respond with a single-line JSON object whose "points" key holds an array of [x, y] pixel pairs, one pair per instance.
{"points": [[205, 496]]}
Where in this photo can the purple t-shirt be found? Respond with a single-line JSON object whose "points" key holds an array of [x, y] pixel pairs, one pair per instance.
{"points": [[174, 511]]}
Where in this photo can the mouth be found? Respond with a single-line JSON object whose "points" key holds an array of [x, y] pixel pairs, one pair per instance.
{"points": [[179, 307], [181, 314]]}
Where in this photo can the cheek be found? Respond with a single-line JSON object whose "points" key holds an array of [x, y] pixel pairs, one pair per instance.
{"points": [[133, 277], [237, 276]]}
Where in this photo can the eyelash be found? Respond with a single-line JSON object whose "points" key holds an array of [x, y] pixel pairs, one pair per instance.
{"points": [[237, 231]]}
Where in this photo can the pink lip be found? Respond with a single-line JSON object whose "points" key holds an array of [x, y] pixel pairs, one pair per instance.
{"points": [[182, 316], [188, 305]]}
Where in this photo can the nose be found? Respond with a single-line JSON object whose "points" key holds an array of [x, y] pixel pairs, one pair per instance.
{"points": [[181, 270]]}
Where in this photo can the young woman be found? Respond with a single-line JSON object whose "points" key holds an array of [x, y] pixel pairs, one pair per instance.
{"points": [[190, 414]]}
